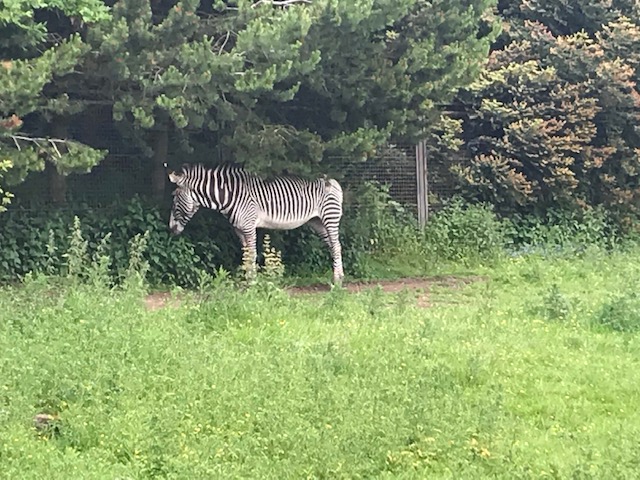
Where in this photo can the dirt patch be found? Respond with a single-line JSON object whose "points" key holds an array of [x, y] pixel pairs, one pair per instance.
{"points": [[158, 300], [393, 286], [420, 287]]}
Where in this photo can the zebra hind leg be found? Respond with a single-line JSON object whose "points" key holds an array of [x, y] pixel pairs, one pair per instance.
{"points": [[318, 227], [336, 253], [331, 238]]}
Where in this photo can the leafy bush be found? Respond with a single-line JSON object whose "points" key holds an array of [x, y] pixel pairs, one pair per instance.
{"points": [[563, 230], [36, 242], [377, 230], [465, 232], [374, 227], [379, 237], [377, 227]]}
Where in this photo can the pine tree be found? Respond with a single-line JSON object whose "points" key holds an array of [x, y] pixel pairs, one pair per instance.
{"points": [[33, 56], [273, 84], [277, 83]]}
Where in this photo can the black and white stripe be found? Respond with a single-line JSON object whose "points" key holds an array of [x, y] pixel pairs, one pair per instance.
{"points": [[251, 202]]}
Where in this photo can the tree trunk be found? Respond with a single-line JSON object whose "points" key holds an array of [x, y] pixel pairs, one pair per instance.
{"points": [[160, 153], [57, 182]]}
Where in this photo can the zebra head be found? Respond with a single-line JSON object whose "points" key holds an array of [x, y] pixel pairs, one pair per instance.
{"points": [[184, 204]]}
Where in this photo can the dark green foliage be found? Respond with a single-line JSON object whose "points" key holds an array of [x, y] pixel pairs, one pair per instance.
{"points": [[271, 84], [563, 231], [375, 230], [379, 232], [621, 313], [286, 82], [379, 237], [552, 120], [31, 62], [385, 65], [37, 242], [377, 227]]}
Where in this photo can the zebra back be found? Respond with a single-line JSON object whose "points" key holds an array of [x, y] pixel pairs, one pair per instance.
{"points": [[232, 189]]}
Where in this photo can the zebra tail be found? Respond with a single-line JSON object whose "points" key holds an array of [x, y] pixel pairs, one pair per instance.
{"points": [[332, 186]]}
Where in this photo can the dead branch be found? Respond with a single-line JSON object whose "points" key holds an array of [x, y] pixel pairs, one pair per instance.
{"points": [[279, 3], [41, 142], [224, 44]]}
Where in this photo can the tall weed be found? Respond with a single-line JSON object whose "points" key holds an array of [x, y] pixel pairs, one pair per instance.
{"points": [[81, 265], [555, 305], [76, 255], [135, 276], [99, 271], [38, 241]]}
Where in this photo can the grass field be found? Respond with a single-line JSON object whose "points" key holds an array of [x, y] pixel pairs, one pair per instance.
{"points": [[530, 371]]}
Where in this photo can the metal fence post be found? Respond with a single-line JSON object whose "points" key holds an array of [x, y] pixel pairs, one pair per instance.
{"points": [[422, 184]]}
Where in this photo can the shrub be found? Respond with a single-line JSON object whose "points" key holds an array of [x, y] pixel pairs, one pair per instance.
{"points": [[374, 227], [465, 232], [379, 237], [375, 231], [36, 242], [82, 269], [563, 230]]}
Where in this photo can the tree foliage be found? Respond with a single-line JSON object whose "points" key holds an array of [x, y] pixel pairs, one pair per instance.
{"points": [[276, 84], [272, 84], [553, 119], [32, 58]]}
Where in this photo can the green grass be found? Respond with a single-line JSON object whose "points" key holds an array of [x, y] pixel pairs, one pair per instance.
{"points": [[527, 374]]}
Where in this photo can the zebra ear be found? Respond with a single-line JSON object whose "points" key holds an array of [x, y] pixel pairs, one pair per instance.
{"points": [[173, 176]]}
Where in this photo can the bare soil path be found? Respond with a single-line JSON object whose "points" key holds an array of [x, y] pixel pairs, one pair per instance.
{"points": [[420, 286]]}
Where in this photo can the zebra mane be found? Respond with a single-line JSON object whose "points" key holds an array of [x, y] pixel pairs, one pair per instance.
{"points": [[187, 167], [235, 167]]}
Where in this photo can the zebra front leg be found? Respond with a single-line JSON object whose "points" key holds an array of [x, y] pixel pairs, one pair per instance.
{"points": [[249, 254], [243, 240]]}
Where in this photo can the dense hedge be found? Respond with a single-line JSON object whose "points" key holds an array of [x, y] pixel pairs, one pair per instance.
{"points": [[37, 240], [378, 232]]}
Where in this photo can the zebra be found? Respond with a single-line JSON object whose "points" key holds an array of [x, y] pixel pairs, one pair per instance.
{"points": [[249, 202]]}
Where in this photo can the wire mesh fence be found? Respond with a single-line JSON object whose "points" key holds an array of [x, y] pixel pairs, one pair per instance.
{"points": [[126, 173], [393, 165], [397, 166]]}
